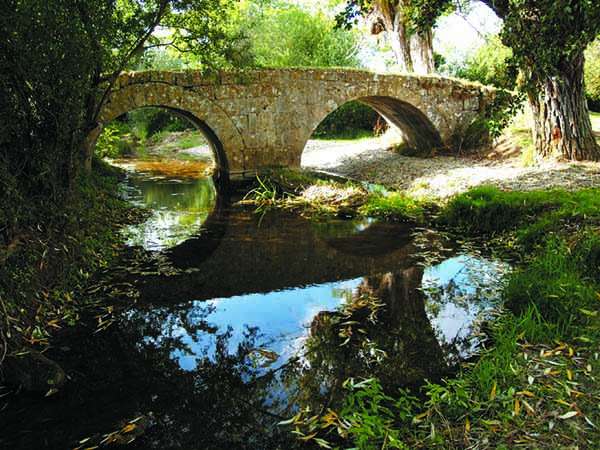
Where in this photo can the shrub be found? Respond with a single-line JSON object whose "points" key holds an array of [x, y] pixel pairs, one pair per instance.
{"points": [[488, 65], [592, 75], [350, 117], [149, 121]]}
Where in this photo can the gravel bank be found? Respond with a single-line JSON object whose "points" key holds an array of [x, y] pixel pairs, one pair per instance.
{"points": [[441, 176]]}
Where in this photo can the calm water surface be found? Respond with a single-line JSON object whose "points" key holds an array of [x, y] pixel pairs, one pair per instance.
{"points": [[241, 319]]}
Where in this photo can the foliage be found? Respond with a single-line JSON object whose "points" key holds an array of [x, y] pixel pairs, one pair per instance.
{"points": [[350, 117], [488, 65], [43, 276], [592, 74], [48, 113], [148, 121], [393, 205], [58, 62], [280, 34], [111, 143], [544, 35], [535, 379]]}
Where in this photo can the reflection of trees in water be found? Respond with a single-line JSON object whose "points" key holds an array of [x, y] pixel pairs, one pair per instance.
{"points": [[382, 331], [131, 371], [179, 209], [221, 403], [473, 288]]}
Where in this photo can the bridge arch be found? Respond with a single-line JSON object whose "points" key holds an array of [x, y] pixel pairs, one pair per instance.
{"points": [[223, 137], [418, 131]]}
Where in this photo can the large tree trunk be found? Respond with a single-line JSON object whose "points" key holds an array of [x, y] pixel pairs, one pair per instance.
{"points": [[413, 51], [421, 48], [562, 126]]}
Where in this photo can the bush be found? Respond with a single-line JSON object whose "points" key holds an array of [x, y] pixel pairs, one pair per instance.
{"points": [[488, 65], [592, 75], [351, 117], [110, 143], [147, 122]]}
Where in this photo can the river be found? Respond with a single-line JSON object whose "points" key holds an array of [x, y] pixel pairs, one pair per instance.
{"points": [[239, 319]]}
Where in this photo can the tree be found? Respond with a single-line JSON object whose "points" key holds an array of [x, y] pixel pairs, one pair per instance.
{"points": [[58, 63], [548, 39], [284, 35], [487, 65], [408, 25], [592, 75]]}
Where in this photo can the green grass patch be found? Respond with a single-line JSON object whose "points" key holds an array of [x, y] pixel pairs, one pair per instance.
{"points": [[393, 205], [532, 216]]}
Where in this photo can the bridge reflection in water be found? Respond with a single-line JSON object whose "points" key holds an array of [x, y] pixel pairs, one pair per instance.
{"points": [[253, 317]]}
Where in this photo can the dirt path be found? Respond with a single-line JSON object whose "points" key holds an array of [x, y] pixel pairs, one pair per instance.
{"points": [[441, 176]]}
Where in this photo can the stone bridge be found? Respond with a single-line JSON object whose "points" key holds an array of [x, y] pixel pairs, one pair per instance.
{"points": [[263, 118]]}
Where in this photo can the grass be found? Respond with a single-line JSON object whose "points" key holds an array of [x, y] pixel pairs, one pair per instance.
{"points": [[393, 205], [317, 195], [527, 218]]}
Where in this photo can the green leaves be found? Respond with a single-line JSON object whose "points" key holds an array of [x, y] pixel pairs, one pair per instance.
{"points": [[547, 35]]}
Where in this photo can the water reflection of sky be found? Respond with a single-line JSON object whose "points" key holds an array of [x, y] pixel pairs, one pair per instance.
{"points": [[282, 317], [457, 290]]}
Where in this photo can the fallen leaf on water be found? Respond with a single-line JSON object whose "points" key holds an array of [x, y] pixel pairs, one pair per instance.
{"points": [[129, 427], [493, 392]]}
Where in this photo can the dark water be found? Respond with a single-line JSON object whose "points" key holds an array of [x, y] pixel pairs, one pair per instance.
{"points": [[241, 319]]}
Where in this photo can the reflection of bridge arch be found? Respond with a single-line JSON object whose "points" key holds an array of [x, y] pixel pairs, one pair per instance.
{"points": [[237, 253], [263, 118], [194, 251], [376, 239]]}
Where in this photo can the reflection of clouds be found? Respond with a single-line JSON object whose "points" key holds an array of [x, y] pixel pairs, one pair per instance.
{"points": [[458, 292], [282, 320]]}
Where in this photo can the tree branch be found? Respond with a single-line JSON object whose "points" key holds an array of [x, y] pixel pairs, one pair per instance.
{"points": [[138, 45]]}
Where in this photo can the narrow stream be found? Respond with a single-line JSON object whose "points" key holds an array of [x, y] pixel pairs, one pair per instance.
{"points": [[242, 319]]}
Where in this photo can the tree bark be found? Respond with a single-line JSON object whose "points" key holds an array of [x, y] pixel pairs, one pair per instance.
{"points": [[562, 126], [413, 51], [400, 45], [421, 46]]}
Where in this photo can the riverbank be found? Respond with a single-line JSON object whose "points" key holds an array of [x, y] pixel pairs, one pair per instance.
{"points": [[46, 270], [535, 381]]}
